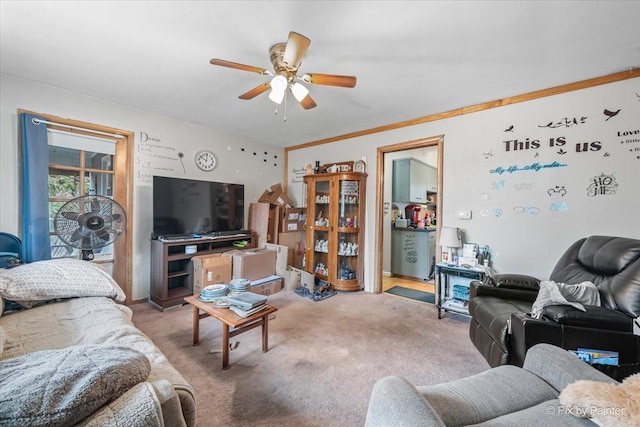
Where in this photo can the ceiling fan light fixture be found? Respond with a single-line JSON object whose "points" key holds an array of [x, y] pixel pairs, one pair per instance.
{"points": [[299, 91], [276, 96], [279, 83], [278, 88]]}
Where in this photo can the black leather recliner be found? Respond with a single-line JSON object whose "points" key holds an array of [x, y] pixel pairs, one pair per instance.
{"points": [[503, 330]]}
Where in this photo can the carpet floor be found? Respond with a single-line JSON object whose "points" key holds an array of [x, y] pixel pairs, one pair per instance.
{"points": [[412, 294], [324, 357]]}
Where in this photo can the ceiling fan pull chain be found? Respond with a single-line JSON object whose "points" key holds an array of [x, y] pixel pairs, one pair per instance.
{"points": [[285, 106]]}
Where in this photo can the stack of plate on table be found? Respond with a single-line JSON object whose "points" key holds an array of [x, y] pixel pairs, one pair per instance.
{"points": [[211, 292], [239, 285]]}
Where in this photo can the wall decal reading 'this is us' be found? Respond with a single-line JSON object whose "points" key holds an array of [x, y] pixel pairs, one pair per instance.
{"points": [[514, 145]]}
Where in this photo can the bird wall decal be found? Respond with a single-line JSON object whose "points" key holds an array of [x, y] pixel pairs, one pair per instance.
{"points": [[610, 114]]}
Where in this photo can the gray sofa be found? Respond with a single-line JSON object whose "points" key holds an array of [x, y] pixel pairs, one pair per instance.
{"points": [[503, 396], [76, 358]]}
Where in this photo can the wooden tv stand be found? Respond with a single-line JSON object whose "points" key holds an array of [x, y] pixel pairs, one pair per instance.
{"points": [[171, 265]]}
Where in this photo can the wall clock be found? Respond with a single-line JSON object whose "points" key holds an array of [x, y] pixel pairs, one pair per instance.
{"points": [[205, 160], [359, 166]]}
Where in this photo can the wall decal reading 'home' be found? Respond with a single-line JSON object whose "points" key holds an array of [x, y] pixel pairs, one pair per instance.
{"points": [[602, 185]]}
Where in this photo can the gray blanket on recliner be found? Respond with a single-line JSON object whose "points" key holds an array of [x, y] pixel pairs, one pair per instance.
{"points": [[552, 293]]}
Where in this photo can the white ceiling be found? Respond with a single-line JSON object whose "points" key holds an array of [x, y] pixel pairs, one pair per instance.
{"points": [[412, 59]]}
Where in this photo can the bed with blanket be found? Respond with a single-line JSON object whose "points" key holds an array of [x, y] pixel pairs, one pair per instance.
{"points": [[72, 356]]}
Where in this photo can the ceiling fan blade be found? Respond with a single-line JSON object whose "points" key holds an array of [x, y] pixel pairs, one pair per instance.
{"points": [[297, 46], [308, 103], [330, 80], [237, 66], [255, 91]]}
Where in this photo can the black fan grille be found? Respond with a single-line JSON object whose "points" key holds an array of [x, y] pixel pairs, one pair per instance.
{"points": [[89, 222]]}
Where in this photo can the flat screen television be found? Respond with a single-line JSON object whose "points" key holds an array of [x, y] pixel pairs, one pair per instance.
{"points": [[188, 206]]}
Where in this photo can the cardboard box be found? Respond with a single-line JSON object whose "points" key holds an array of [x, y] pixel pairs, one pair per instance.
{"points": [[259, 221], [253, 264], [273, 224], [276, 196], [265, 197], [300, 278], [267, 286], [208, 270], [292, 219], [282, 257], [296, 242]]}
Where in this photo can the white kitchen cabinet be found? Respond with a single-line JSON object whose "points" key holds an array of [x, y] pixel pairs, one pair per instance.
{"points": [[409, 181], [432, 179], [412, 252]]}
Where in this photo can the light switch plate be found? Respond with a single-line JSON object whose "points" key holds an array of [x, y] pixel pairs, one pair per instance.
{"points": [[464, 214]]}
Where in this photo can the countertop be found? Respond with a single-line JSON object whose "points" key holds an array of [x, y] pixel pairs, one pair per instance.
{"points": [[417, 230]]}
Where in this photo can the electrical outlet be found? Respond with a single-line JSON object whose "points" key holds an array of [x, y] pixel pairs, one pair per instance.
{"points": [[464, 214]]}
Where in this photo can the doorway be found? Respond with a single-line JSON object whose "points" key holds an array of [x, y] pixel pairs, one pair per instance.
{"points": [[386, 211]]}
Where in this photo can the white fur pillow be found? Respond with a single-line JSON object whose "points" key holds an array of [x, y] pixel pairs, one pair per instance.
{"points": [[57, 278], [609, 405]]}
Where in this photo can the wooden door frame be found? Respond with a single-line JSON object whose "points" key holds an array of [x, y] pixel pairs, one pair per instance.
{"points": [[437, 141], [122, 192]]}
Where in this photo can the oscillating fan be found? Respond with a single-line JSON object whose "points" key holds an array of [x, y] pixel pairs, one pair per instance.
{"points": [[89, 222]]}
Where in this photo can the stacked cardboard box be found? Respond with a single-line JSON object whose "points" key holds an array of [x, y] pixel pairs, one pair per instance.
{"points": [[267, 286], [291, 219], [260, 222], [296, 242], [210, 269], [256, 265], [276, 196], [274, 213], [253, 264]]}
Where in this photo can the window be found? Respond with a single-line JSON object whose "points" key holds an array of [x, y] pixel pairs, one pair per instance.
{"points": [[84, 159], [78, 165]]}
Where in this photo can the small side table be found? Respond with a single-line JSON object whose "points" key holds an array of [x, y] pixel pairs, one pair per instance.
{"points": [[229, 319], [453, 287]]}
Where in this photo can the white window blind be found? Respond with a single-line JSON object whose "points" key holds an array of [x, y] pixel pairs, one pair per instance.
{"points": [[81, 142]]}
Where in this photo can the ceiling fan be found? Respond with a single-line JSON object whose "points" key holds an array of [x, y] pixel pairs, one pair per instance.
{"points": [[286, 59]]}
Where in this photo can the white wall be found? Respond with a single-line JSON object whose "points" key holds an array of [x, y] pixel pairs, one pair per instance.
{"points": [[527, 217], [158, 140]]}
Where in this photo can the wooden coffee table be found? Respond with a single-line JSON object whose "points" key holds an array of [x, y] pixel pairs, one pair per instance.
{"points": [[229, 319]]}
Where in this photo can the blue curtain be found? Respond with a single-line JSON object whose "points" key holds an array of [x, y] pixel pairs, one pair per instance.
{"points": [[35, 190]]}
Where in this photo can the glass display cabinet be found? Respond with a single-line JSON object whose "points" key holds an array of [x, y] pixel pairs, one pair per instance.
{"points": [[335, 229]]}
